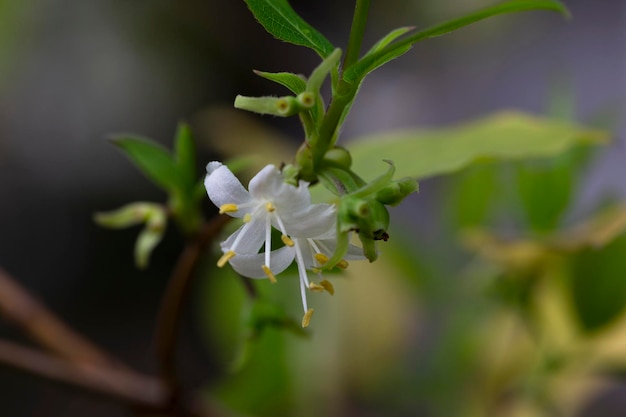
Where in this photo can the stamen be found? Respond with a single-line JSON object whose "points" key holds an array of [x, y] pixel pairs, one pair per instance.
{"points": [[328, 287], [343, 264], [321, 258], [269, 207], [307, 317], [225, 258], [247, 217], [269, 274], [228, 208], [315, 287], [287, 240]]}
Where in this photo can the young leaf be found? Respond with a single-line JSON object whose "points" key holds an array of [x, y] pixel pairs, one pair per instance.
{"points": [[507, 135], [153, 160], [295, 83], [185, 155], [387, 39], [279, 19], [369, 63]]}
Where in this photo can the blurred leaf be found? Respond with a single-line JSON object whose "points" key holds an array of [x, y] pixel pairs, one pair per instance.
{"points": [[153, 160], [545, 189], [295, 83], [367, 64], [472, 194], [279, 19], [507, 135], [186, 155], [598, 284]]}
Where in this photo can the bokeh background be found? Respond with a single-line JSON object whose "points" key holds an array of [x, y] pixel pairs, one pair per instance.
{"points": [[72, 73]]}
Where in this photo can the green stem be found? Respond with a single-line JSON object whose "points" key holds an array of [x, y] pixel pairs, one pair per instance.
{"points": [[325, 140], [345, 92], [356, 32]]}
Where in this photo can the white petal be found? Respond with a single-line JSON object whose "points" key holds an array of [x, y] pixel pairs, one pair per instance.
{"points": [[293, 200], [224, 188], [252, 239], [318, 221], [267, 184], [250, 265]]}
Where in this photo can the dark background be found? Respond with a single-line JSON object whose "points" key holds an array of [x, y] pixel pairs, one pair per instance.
{"points": [[73, 72]]}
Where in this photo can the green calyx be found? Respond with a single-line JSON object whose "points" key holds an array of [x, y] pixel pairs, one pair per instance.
{"points": [[362, 206]]}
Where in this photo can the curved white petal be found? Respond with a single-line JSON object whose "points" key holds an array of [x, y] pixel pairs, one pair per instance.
{"points": [[251, 239], [318, 221], [267, 184], [250, 265], [295, 201], [224, 188]]}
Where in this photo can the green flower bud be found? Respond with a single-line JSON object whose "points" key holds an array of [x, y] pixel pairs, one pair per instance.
{"points": [[126, 216], [368, 217], [396, 191], [338, 157], [305, 100], [276, 106], [153, 215], [304, 162]]}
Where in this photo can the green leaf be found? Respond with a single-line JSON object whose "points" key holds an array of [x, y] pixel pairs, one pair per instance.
{"points": [[280, 20], [373, 60], [394, 50], [186, 155], [153, 160], [547, 187], [472, 195], [506, 136], [598, 287], [295, 83], [387, 39]]}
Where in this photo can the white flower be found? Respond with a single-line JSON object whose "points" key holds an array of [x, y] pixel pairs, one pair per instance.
{"points": [[308, 230]]}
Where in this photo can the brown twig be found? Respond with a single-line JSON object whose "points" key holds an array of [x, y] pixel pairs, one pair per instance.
{"points": [[123, 385], [23, 310], [172, 303]]}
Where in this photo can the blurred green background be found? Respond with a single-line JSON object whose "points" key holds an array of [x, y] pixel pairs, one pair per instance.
{"points": [[489, 300]]}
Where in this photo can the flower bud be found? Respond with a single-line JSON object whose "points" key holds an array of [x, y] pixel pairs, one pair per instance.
{"points": [[153, 215], [305, 100], [276, 106], [396, 191], [126, 216], [368, 217], [304, 161], [338, 157]]}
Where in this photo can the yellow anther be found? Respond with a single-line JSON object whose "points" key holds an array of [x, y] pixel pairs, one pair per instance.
{"points": [[228, 208], [269, 274], [321, 258], [307, 318], [315, 287], [225, 258], [247, 217], [269, 207], [287, 240], [316, 270], [328, 287], [343, 264]]}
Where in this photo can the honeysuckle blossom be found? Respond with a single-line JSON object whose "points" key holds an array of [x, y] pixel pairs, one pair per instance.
{"points": [[308, 230]]}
